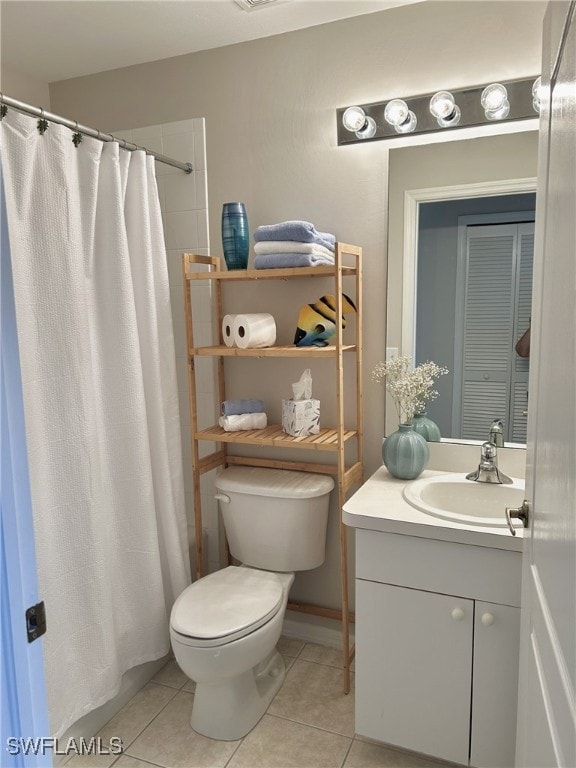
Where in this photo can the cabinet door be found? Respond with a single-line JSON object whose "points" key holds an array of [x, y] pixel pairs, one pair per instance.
{"points": [[414, 669], [495, 685]]}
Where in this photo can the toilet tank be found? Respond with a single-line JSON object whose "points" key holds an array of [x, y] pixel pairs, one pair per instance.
{"points": [[275, 519]]}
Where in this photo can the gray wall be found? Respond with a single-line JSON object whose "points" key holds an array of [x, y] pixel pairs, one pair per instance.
{"points": [[23, 87], [270, 108], [436, 286]]}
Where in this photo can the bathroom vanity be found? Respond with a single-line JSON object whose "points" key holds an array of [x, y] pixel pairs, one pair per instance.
{"points": [[437, 628]]}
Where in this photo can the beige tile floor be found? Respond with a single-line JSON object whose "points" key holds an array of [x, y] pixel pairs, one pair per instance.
{"points": [[309, 724]]}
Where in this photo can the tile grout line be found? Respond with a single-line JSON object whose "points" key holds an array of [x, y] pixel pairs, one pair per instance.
{"points": [[125, 751], [307, 725], [347, 753]]}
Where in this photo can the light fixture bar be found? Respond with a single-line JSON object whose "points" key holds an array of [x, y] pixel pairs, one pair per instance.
{"points": [[468, 100]]}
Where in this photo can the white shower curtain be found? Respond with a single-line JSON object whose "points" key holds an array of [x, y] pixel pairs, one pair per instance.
{"points": [[101, 406]]}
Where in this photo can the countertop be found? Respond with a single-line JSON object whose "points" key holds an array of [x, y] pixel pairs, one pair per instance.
{"points": [[379, 506]]}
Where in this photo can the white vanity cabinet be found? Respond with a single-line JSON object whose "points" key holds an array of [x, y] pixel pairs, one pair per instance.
{"points": [[437, 643]]}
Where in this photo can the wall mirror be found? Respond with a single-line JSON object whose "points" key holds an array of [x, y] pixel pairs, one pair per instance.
{"points": [[460, 244]]}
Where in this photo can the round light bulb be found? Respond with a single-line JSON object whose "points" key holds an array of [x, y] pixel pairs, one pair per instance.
{"points": [[442, 105], [452, 120], [494, 97], [354, 119], [536, 89], [500, 113], [396, 112], [368, 129], [537, 94], [409, 125]]}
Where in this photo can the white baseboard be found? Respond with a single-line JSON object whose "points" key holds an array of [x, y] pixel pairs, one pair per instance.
{"points": [[313, 629]]}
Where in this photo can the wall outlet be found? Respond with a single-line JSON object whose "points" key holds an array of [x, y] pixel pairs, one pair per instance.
{"points": [[391, 353]]}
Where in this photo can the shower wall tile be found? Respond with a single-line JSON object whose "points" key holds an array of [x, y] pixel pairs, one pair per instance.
{"points": [[202, 230], [174, 257], [182, 230], [181, 192], [183, 126], [201, 189], [153, 143], [199, 152], [180, 145], [144, 135]]}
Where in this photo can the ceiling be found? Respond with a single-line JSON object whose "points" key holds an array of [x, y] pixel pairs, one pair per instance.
{"points": [[58, 39]]}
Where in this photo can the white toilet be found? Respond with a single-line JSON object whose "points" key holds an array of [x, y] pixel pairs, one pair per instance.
{"points": [[224, 627]]}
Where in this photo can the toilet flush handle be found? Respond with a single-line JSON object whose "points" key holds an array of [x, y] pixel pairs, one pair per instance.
{"points": [[223, 498]]}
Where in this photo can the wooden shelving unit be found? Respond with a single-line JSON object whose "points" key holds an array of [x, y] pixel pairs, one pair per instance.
{"points": [[331, 440]]}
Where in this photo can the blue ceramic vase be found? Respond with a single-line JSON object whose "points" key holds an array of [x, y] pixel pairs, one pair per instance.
{"points": [[429, 430], [405, 453], [235, 235]]}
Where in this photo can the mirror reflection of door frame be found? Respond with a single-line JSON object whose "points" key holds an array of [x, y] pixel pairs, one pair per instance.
{"points": [[412, 200]]}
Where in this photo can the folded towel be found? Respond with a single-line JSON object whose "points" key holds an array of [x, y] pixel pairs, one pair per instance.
{"points": [[301, 231], [284, 260], [243, 421], [238, 407], [291, 246]]}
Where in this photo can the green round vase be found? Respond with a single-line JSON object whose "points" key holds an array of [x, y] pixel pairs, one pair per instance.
{"points": [[405, 453], [429, 430]]}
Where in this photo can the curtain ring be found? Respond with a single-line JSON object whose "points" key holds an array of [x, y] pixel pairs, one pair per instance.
{"points": [[42, 123], [77, 137]]}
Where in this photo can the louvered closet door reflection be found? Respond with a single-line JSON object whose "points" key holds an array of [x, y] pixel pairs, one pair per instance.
{"points": [[488, 327]]}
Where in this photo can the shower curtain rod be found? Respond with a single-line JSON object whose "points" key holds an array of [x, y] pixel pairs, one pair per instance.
{"points": [[29, 109]]}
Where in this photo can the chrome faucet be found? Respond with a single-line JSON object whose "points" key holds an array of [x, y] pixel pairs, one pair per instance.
{"points": [[496, 435], [488, 471]]}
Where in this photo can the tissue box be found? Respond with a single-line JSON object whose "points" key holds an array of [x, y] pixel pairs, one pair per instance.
{"points": [[301, 417]]}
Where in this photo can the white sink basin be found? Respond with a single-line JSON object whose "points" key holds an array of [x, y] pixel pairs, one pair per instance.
{"points": [[452, 497]]}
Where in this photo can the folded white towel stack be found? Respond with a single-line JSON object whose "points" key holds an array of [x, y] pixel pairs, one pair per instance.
{"points": [[243, 421]]}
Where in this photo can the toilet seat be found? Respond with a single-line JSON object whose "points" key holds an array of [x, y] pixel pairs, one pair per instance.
{"points": [[226, 606]]}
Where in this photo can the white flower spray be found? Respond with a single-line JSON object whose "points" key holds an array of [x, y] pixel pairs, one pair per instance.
{"points": [[410, 388]]}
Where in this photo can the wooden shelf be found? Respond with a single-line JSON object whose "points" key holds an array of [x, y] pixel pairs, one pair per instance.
{"points": [[334, 440], [325, 440], [270, 274], [277, 274], [288, 350]]}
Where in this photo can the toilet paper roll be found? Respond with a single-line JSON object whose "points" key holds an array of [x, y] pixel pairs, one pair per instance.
{"points": [[227, 330], [251, 331]]}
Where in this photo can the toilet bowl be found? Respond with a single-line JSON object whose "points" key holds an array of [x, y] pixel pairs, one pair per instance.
{"points": [[224, 627], [238, 673]]}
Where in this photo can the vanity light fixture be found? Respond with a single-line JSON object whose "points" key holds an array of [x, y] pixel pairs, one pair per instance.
{"points": [[443, 110], [495, 102]]}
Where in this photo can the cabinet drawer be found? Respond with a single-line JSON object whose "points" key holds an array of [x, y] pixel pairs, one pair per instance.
{"points": [[493, 575]]}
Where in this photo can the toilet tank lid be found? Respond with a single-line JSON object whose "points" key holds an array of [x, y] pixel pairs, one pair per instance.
{"points": [[278, 483]]}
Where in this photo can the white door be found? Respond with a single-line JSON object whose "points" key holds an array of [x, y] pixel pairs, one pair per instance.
{"points": [[547, 709]]}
